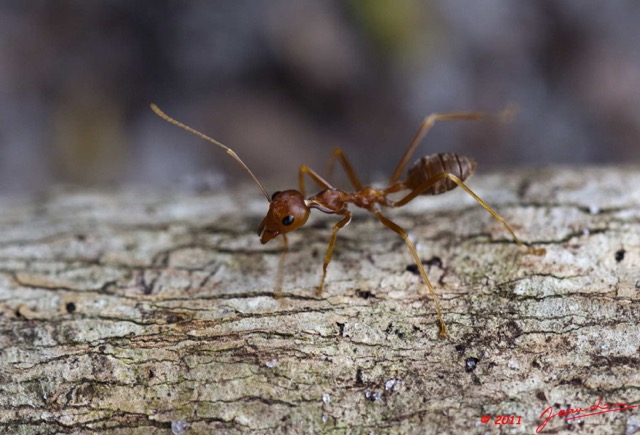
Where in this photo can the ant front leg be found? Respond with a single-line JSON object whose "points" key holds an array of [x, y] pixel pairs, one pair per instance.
{"points": [[395, 227], [346, 165], [327, 259], [280, 272], [427, 184]]}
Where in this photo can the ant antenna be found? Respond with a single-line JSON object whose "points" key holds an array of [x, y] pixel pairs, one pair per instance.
{"points": [[229, 151]]}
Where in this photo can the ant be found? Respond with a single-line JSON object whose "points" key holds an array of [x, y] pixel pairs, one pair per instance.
{"points": [[431, 175]]}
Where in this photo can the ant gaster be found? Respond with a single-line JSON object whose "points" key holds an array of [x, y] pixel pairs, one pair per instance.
{"points": [[431, 175]]}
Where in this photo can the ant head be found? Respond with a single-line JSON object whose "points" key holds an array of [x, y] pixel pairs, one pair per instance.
{"points": [[287, 211]]}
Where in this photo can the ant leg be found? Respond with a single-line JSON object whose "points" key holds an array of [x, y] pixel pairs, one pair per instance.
{"points": [[346, 165], [395, 227], [280, 272], [327, 259], [304, 169], [430, 120], [427, 184]]}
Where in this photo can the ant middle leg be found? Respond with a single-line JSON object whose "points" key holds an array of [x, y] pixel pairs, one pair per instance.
{"points": [[395, 227], [304, 169], [327, 259], [432, 181]]}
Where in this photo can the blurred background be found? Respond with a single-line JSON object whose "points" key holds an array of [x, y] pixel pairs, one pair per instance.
{"points": [[284, 81]]}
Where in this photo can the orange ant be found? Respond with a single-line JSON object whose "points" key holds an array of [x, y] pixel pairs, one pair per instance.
{"points": [[431, 175]]}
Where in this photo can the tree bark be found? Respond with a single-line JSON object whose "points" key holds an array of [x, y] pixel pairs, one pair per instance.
{"points": [[127, 311]]}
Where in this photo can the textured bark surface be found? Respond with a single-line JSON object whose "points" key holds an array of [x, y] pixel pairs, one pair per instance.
{"points": [[122, 312]]}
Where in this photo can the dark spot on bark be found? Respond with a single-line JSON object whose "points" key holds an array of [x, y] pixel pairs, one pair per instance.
{"points": [[523, 188], [620, 255], [359, 377], [399, 333], [572, 381], [541, 396], [341, 328], [413, 268], [71, 308], [81, 237], [364, 294], [102, 348], [461, 349], [470, 364], [17, 313], [389, 328], [536, 364], [515, 329], [416, 329], [433, 261], [151, 374], [171, 318]]}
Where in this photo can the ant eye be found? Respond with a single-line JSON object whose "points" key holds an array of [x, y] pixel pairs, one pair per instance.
{"points": [[288, 220], [274, 195]]}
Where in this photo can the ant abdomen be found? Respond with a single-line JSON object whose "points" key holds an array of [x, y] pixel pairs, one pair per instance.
{"points": [[429, 167]]}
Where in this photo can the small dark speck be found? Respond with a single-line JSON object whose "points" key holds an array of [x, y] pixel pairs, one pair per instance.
{"points": [[359, 377], [71, 307], [461, 349], [400, 334], [172, 318], [341, 328], [151, 374], [102, 348], [413, 268], [540, 395], [364, 294], [81, 237], [433, 261], [389, 328], [470, 364], [620, 255], [18, 313]]}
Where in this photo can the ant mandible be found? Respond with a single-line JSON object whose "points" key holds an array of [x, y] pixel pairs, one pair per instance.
{"points": [[431, 175]]}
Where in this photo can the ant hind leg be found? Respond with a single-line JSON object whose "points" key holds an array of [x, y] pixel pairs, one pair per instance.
{"points": [[432, 181]]}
